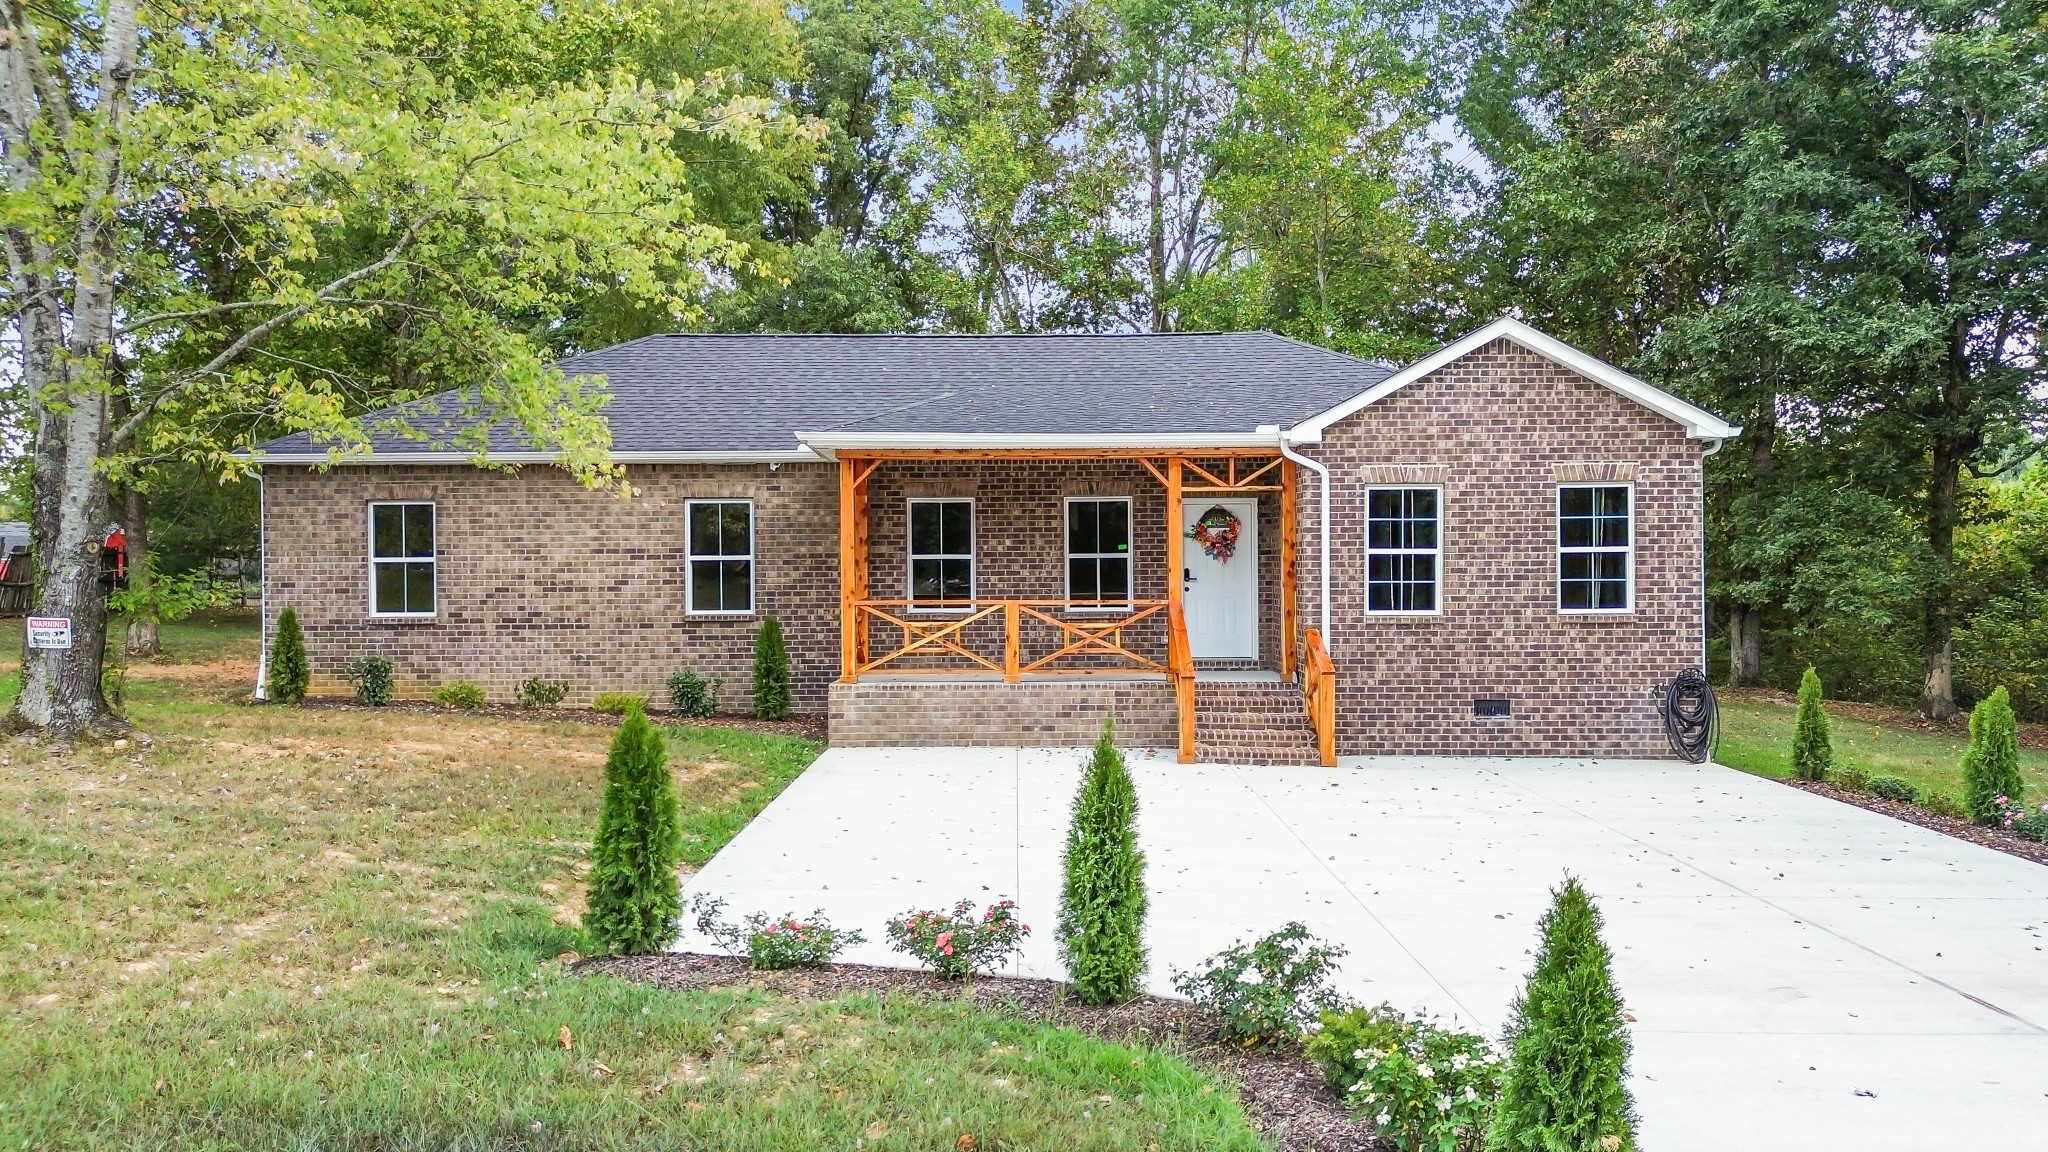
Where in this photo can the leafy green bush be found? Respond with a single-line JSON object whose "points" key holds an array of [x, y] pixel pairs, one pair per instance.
{"points": [[2034, 825], [957, 944], [1269, 991], [1850, 779], [635, 901], [1942, 804], [769, 944], [771, 672], [460, 694], [1567, 1044], [619, 703], [371, 678], [290, 675], [1813, 749], [691, 695], [1894, 788], [1102, 901], [114, 684], [535, 692], [1991, 766], [1423, 1088]]}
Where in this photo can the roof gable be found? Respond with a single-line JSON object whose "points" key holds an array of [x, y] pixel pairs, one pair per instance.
{"points": [[1699, 423]]}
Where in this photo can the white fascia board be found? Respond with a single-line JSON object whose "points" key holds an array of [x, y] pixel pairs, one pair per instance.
{"points": [[1700, 424], [800, 456], [829, 444]]}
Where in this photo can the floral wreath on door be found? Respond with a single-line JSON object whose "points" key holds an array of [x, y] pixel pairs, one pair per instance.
{"points": [[1216, 531]]}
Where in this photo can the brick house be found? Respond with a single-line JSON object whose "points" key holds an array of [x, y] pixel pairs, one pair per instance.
{"points": [[968, 540]]}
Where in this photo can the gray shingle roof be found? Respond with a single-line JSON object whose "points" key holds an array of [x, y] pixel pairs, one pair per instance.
{"points": [[738, 394]]}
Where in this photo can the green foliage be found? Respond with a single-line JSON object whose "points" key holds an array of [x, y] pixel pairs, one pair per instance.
{"points": [[371, 678], [958, 944], [618, 703], [1894, 788], [114, 685], [771, 943], [290, 675], [1943, 804], [162, 599], [1268, 991], [2034, 825], [1813, 751], [1422, 1088], [635, 899], [1991, 766], [1567, 1043], [1850, 779], [771, 672], [466, 694], [537, 692], [1102, 900], [691, 695]]}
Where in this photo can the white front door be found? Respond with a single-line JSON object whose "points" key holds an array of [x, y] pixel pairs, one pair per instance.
{"points": [[1220, 593]]}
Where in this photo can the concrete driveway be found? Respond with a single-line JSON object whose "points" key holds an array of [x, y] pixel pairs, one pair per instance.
{"points": [[1804, 974]]}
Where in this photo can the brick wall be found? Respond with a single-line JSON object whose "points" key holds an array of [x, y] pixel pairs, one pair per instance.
{"points": [[1031, 714], [1500, 428], [540, 577]]}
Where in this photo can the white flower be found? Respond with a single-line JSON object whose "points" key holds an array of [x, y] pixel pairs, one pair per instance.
{"points": [[1380, 1121], [1471, 1093], [1459, 1061], [1358, 1054], [1425, 1071], [1443, 1103]]}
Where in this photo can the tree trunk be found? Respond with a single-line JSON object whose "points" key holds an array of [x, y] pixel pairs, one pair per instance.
{"points": [[1745, 646], [1938, 685], [142, 632], [60, 687]]}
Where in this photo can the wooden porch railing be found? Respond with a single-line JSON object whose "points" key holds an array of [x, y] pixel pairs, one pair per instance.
{"points": [[1319, 694], [1180, 669], [929, 636]]}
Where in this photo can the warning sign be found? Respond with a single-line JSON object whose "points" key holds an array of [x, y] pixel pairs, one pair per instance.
{"points": [[49, 631]]}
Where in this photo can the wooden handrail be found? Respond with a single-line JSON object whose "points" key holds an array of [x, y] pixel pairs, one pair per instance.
{"points": [[1319, 694], [938, 628], [1180, 669]]}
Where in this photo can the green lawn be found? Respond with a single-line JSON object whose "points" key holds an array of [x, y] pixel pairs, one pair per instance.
{"points": [[1756, 736], [332, 928]]}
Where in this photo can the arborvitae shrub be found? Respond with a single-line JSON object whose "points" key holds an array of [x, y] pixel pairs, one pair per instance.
{"points": [[635, 900], [771, 672], [1102, 902], [1991, 768], [1813, 742], [289, 674], [1567, 1044]]}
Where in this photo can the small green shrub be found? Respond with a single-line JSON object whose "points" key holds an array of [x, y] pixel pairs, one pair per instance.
{"points": [[371, 678], [466, 694], [1813, 747], [2034, 825], [1567, 1043], [692, 695], [1423, 1088], [1268, 991], [619, 703], [114, 685], [1991, 767], [1850, 779], [1942, 804], [770, 944], [635, 900], [957, 944], [534, 692], [1102, 901], [1894, 788], [290, 675], [771, 672]]}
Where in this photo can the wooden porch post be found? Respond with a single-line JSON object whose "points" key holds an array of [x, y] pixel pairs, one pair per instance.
{"points": [[1289, 530], [853, 565], [1175, 561]]}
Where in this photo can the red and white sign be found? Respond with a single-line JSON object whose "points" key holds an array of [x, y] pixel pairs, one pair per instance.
{"points": [[49, 631]]}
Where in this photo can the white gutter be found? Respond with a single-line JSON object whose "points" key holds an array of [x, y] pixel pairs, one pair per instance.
{"points": [[800, 456], [1713, 446], [262, 596], [1323, 532]]}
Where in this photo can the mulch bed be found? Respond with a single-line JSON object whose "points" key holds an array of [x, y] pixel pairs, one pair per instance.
{"points": [[1282, 1092], [810, 727], [1999, 839]]}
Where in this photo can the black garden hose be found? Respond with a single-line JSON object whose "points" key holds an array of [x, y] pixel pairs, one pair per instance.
{"points": [[1691, 719]]}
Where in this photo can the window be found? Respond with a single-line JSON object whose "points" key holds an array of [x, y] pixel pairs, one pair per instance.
{"points": [[1402, 547], [401, 559], [721, 556], [1099, 552], [1593, 546], [942, 553]]}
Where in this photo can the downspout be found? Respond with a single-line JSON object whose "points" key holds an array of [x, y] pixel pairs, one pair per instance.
{"points": [[1713, 446], [262, 594], [1323, 531]]}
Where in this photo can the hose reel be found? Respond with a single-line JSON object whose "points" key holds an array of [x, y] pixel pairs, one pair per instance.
{"points": [[1691, 718]]}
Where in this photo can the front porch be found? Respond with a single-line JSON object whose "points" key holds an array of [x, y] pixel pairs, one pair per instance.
{"points": [[1021, 596]]}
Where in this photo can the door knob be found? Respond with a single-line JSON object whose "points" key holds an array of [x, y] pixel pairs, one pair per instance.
{"points": [[1186, 577]]}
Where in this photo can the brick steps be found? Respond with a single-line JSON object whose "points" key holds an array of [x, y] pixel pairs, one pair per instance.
{"points": [[1252, 723]]}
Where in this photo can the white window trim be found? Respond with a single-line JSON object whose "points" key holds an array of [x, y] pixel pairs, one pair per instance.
{"points": [[370, 551], [1437, 552], [1130, 558], [1628, 551], [690, 559], [973, 557]]}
